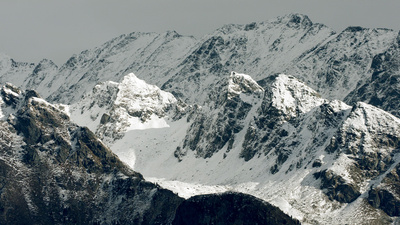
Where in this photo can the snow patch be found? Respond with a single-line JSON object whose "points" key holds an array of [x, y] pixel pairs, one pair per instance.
{"points": [[152, 123]]}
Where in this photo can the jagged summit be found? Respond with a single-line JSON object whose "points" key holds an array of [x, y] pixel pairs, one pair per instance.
{"points": [[382, 88], [295, 20], [112, 108], [333, 64], [55, 172], [141, 99], [242, 83], [149, 54], [289, 95], [232, 107], [289, 139]]}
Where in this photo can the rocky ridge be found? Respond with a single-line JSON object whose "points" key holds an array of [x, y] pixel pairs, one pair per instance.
{"points": [[112, 108], [382, 88], [273, 137], [55, 172], [334, 64], [266, 131]]}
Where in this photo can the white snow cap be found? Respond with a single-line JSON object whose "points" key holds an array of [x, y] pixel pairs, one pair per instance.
{"points": [[137, 95], [242, 83]]}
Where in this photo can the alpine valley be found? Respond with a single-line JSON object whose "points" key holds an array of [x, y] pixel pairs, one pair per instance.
{"points": [[282, 121]]}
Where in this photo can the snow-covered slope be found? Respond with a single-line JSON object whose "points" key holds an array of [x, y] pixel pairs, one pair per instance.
{"points": [[337, 66], [150, 54], [112, 108], [14, 72], [261, 49], [41, 77], [277, 139], [269, 134], [314, 158], [382, 89], [334, 64], [55, 172]]}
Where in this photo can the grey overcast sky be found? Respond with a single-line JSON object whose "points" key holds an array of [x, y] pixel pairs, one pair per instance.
{"points": [[31, 30]]}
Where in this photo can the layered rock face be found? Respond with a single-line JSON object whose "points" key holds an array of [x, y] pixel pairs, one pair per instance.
{"points": [[289, 124], [55, 172], [382, 88]]}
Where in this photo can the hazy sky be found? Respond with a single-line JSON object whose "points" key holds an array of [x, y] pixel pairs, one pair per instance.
{"points": [[55, 29]]}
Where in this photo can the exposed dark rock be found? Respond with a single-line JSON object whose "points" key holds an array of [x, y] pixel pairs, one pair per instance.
{"points": [[248, 150], [250, 26], [31, 93], [354, 29], [10, 94], [209, 134], [382, 89], [55, 172], [104, 118], [317, 163], [386, 195], [336, 187], [229, 208]]}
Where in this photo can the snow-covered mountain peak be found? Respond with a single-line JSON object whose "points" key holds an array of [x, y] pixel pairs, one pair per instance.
{"points": [[9, 97], [47, 62], [113, 108], [172, 34], [242, 83], [136, 85], [289, 95], [295, 20], [366, 118], [151, 55], [136, 95], [292, 20], [14, 72]]}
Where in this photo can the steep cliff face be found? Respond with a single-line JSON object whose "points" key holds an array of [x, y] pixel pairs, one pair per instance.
{"points": [[55, 172], [260, 49], [382, 88], [270, 139], [217, 123], [386, 194], [337, 66], [240, 110], [294, 129]]}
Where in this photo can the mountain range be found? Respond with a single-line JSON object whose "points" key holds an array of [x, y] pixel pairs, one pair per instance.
{"points": [[308, 122]]}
